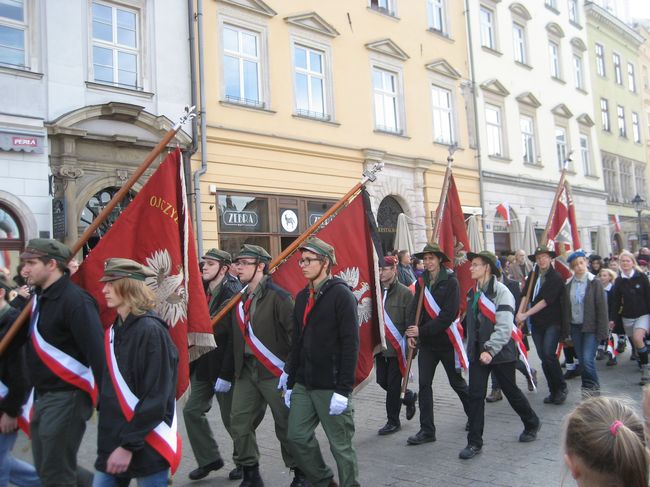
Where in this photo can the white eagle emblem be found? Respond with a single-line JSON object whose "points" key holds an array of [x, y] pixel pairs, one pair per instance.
{"points": [[171, 296], [351, 277]]}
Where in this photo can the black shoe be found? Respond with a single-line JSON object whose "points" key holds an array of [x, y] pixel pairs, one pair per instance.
{"points": [[252, 477], [620, 347], [410, 401], [530, 435], [532, 385], [573, 373], [236, 473], [421, 437], [389, 428], [204, 471], [560, 397], [470, 451], [612, 361], [549, 399], [495, 395], [299, 479], [600, 354]]}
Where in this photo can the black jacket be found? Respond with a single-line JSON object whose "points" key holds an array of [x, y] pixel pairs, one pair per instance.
{"points": [[552, 291], [433, 332], [631, 297], [13, 368], [68, 320], [208, 366], [324, 353], [148, 361]]}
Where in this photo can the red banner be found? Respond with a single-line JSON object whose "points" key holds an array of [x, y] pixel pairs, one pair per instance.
{"points": [[563, 234], [454, 242], [156, 230], [349, 233]]}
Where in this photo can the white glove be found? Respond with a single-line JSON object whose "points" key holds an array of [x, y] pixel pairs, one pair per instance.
{"points": [[287, 398], [338, 404], [222, 386], [282, 383]]}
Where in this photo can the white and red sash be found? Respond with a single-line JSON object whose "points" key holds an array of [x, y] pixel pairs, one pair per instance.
{"points": [[28, 409], [394, 337], [454, 331], [163, 438], [611, 349], [61, 364], [272, 363]]}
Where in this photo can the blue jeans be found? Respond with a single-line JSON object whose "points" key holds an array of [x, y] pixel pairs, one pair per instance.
{"points": [[585, 345], [546, 338], [13, 470], [158, 479]]}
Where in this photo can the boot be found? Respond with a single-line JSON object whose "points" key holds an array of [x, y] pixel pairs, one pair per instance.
{"points": [[252, 477], [600, 354], [299, 479], [645, 375], [620, 347], [494, 396]]}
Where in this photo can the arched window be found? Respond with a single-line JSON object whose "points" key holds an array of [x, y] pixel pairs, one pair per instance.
{"points": [[387, 213], [12, 240]]}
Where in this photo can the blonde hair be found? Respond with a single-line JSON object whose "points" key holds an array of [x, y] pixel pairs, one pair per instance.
{"points": [[136, 295], [607, 436], [627, 253], [612, 275]]}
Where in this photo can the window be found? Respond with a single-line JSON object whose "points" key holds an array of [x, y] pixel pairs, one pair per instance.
{"points": [[115, 45], [528, 139], [384, 6], [620, 114], [12, 237], [600, 60], [577, 72], [494, 125], [636, 128], [604, 115], [631, 81], [519, 39], [443, 115], [309, 81], [241, 65], [616, 59], [573, 11], [554, 58], [487, 28], [585, 155], [13, 32], [560, 146], [385, 88], [611, 178], [552, 4], [639, 179], [436, 15], [626, 178]]}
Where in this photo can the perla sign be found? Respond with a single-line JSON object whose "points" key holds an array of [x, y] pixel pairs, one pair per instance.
{"points": [[240, 218]]}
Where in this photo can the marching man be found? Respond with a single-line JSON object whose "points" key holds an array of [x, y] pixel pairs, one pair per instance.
{"points": [[136, 435], [322, 366], [490, 348]]}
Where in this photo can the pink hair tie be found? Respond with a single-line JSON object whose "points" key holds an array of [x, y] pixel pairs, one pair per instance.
{"points": [[613, 429]]}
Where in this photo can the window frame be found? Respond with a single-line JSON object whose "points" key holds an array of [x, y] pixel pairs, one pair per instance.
{"points": [[636, 128], [631, 77], [491, 26], [601, 67], [328, 98], [499, 126], [573, 13], [390, 8], [450, 113], [578, 72], [555, 59], [585, 154], [618, 74], [605, 119], [431, 17], [400, 118], [530, 137], [22, 26], [622, 124], [564, 145], [520, 44]]}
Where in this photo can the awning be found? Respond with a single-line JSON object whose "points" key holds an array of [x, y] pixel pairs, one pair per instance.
{"points": [[22, 142]]}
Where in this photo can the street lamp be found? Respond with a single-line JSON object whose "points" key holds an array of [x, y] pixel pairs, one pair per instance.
{"points": [[638, 202]]}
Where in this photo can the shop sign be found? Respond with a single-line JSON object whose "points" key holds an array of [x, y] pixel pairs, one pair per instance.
{"points": [[21, 142], [288, 220], [313, 218], [240, 218]]}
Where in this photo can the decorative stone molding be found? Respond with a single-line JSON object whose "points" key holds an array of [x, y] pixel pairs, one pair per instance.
{"points": [[122, 175], [562, 110], [520, 11], [495, 86], [554, 29], [527, 98], [256, 6], [388, 47], [442, 67], [312, 21], [67, 172]]}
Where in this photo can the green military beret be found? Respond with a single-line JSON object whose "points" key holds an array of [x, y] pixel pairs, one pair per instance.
{"points": [[219, 255], [117, 268], [46, 247], [253, 252], [318, 247], [488, 258], [432, 248]]}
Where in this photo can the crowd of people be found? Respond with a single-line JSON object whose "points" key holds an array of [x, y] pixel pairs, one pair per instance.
{"points": [[297, 356]]}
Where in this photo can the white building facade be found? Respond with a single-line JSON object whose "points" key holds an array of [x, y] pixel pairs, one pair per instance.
{"points": [[88, 88], [534, 110]]}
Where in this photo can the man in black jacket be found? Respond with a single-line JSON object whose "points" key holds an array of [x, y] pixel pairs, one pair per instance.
{"points": [[64, 328], [546, 319], [321, 368], [221, 286]]}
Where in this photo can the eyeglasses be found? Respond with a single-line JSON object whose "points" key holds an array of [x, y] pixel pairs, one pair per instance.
{"points": [[474, 264], [243, 262], [305, 261]]}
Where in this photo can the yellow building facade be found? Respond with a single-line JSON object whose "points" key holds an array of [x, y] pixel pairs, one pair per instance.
{"points": [[302, 97]]}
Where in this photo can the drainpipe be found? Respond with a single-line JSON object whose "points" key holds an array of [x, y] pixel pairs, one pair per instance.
{"points": [[472, 78], [204, 166], [187, 154]]}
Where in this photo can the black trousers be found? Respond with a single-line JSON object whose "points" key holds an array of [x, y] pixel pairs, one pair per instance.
{"points": [[478, 379], [389, 379], [427, 362]]}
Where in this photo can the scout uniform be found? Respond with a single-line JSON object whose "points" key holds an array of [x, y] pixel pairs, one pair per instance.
{"points": [[64, 328], [321, 374], [261, 338], [203, 374]]}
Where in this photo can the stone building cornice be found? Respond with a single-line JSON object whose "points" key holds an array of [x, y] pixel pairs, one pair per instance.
{"points": [[526, 182], [602, 16]]}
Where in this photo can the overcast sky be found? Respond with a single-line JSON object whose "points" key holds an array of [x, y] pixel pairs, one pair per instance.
{"points": [[640, 9]]}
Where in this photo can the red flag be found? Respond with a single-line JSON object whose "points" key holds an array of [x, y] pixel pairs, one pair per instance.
{"points": [[503, 209], [350, 235], [454, 242], [617, 223], [155, 230], [563, 234]]}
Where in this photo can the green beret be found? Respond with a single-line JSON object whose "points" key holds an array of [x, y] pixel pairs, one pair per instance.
{"points": [[117, 268], [318, 247], [253, 252], [46, 247], [219, 255]]}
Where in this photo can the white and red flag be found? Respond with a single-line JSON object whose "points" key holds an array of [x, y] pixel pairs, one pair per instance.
{"points": [[351, 235], [617, 223], [155, 230], [503, 209], [563, 234]]}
